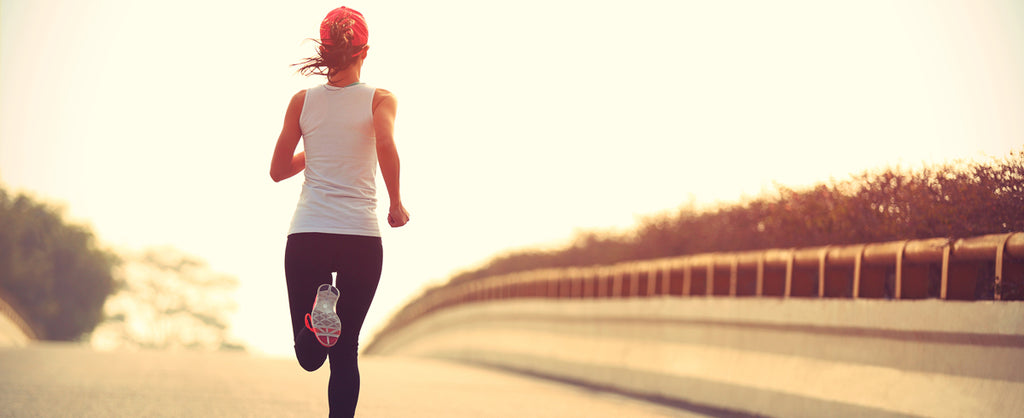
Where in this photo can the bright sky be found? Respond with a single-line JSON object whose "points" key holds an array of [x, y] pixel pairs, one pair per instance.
{"points": [[519, 122]]}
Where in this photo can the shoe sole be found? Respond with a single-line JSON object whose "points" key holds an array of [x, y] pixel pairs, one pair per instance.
{"points": [[323, 318]]}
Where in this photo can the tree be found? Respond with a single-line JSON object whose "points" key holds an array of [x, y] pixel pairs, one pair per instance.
{"points": [[168, 300], [55, 272]]}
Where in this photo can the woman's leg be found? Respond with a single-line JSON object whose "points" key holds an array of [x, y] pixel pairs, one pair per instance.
{"points": [[360, 259], [308, 263]]}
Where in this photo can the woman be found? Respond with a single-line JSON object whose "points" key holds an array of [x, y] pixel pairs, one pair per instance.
{"points": [[346, 128]]}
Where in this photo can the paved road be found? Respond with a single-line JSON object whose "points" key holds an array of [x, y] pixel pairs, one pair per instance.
{"points": [[47, 380]]}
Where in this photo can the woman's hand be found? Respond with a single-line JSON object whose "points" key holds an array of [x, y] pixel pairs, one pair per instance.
{"points": [[397, 216]]}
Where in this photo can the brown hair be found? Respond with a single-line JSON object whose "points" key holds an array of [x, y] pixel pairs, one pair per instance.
{"points": [[336, 56]]}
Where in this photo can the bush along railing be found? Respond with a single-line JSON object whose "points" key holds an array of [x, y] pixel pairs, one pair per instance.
{"points": [[989, 267]]}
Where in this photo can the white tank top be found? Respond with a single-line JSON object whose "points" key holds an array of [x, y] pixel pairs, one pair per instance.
{"points": [[339, 195]]}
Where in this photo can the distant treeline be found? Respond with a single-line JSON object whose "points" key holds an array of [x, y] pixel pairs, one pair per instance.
{"points": [[58, 278], [949, 200], [52, 271]]}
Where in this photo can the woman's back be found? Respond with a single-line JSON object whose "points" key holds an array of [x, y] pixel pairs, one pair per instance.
{"points": [[339, 192]]}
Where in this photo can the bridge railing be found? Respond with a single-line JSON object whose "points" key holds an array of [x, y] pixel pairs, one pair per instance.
{"points": [[9, 311], [989, 267]]}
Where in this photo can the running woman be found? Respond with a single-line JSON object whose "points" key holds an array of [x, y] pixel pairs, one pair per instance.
{"points": [[347, 130]]}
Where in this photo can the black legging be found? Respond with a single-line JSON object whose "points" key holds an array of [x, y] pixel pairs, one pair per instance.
{"points": [[309, 260]]}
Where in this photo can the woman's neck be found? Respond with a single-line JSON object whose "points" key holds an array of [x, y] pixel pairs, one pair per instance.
{"points": [[344, 77]]}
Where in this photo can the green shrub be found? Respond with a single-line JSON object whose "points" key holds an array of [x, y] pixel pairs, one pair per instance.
{"points": [[950, 200]]}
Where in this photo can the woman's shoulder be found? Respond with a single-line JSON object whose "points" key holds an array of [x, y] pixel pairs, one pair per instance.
{"points": [[298, 99], [381, 96]]}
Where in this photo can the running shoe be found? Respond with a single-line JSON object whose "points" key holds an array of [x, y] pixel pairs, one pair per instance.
{"points": [[323, 321]]}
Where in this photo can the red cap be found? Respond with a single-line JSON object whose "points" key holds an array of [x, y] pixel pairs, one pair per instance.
{"points": [[357, 26]]}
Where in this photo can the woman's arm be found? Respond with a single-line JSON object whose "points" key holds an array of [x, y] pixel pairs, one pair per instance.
{"points": [[285, 162], [384, 108]]}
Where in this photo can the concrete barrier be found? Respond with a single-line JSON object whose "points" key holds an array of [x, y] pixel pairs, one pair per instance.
{"points": [[917, 327], [767, 356]]}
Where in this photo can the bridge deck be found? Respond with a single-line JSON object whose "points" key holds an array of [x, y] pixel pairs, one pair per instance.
{"points": [[70, 380]]}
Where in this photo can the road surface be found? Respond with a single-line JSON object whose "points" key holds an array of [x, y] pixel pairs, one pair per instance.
{"points": [[45, 379]]}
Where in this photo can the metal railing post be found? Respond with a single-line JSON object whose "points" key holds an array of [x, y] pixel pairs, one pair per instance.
{"points": [[898, 285], [945, 270], [759, 291], [998, 283], [652, 279], [634, 281], [709, 278], [789, 273], [821, 271], [687, 277], [666, 281], [857, 264], [617, 284], [734, 267]]}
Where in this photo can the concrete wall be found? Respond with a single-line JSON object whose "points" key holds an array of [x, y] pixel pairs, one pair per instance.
{"points": [[778, 357]]}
